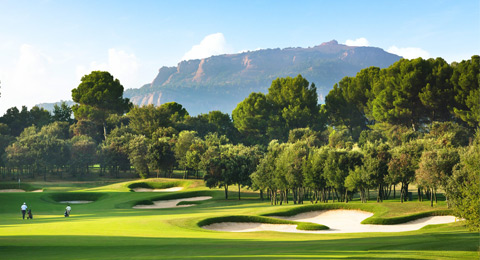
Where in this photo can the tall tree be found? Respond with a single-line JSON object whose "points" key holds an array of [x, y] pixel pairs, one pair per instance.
{"points": [[62, 113], [98, 96], [466, 82]]}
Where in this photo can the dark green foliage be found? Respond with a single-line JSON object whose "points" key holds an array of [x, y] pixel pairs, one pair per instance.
{"points": [[466, 83], [463, 188], [154, 185], [62, 113], [98, 96], [17, 120]]}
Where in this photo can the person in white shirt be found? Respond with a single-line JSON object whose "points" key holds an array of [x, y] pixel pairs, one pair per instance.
{"points": [[68, 209], [24, 209]]}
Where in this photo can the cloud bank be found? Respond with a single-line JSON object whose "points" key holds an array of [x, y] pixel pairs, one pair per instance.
{"points": [[357, 42], [122, 65], [213, 44], [409, 52]]}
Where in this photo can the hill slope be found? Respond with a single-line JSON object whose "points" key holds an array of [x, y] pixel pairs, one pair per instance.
{"points": [[221, 82]]}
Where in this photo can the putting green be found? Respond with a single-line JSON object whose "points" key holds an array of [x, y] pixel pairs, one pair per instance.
{"points": [[109, 228]]}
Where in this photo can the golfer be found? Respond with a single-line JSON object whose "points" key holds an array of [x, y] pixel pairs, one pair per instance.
{"points": [[24, 209], [68, 209]]}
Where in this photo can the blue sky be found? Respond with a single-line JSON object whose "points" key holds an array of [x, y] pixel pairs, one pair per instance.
{"points": [[46, 46]]}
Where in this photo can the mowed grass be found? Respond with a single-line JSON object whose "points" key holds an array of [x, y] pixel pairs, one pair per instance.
{"points": [[110, 229]]}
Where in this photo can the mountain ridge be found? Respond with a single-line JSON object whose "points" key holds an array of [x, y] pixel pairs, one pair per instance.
{"points": [[220, 82]]}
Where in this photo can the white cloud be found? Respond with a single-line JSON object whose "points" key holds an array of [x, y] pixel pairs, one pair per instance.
{"points": [[213, 44], [357, 42], [122, 65], [409, 52], [31, 77]]}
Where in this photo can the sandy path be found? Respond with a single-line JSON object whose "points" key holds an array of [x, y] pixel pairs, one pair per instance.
{"points": [[158, 190], [76, 201], [163, 204], [339, 221], [12, 190]]}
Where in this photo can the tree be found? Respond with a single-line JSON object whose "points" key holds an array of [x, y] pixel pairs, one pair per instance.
{"points": [[83, 153], [161, 155], [138, 155], [98, 96], [251, 117], [466, 83], [182, 145], [62, 113], [314, 173], [403, 164], [115, 150], [375, 165], [217, 172], [147, 119], [175, 110], [295, 101], [462, 189], [435, 168], [264, 176]]}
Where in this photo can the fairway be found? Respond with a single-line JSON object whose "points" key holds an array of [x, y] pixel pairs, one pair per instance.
{"points": [[110, 228]]}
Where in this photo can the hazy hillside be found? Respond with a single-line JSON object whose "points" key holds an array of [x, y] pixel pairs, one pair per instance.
{"points": [[220, 82]]}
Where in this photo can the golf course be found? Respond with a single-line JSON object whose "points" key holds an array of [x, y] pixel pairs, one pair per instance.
{"points": [[105, 225]]}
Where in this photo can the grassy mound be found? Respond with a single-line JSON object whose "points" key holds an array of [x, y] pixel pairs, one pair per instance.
{"points": [[75, 196], [260, 219], [377, 209], [155, 185], [407, 218], [14, 185], [174, 196]]}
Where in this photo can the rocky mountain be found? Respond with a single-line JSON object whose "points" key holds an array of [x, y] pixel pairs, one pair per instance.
{"points": [[221, 82]]}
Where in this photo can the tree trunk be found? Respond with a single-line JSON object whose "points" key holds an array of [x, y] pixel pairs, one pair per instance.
{"points": [[431, 198], [238, 191], [226, 191]]}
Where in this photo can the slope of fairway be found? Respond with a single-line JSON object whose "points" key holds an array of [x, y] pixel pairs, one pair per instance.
{"points": [[109, 228]]}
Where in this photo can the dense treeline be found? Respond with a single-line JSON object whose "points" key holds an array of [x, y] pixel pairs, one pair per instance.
{"points": [[383, 129]]}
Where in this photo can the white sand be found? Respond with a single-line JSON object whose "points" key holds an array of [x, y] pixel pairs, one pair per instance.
{"points": [[76, 201], [37, 190], [163, 204], [158, 190], [339, 221], [12, 190]]}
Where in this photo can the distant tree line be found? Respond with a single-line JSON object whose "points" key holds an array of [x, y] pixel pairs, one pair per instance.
{"points": [[413, 122]]}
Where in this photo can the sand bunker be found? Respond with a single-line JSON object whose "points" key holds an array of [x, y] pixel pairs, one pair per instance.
{"points": [[37, 190], [339, 221], [76, 201], [12, 190], [157, 190], [163, 204]]}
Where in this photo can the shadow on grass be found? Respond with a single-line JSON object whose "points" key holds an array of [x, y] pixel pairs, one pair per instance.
{"points": [[458, 245]]}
